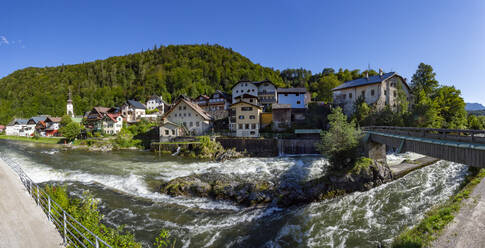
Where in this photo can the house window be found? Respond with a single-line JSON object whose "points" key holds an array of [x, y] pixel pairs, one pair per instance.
{"points": [[395, 93], [363, 93], [240, 126], [385, 92], [252, 117], [249, 90], [190, 114], [250, 100], [185, 107], [241, 117], [253, 126], [175, 115], [298, 102], [246, 108], [197, 124], [167, 132], [185, 123], [372, 92], [180, 107], [350, 95], [191, 124], [252, 132], [247, 126], [173, 131], [185, 114]]}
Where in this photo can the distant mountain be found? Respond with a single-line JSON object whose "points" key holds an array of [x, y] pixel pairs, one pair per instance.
{"points": [[474, 107]]}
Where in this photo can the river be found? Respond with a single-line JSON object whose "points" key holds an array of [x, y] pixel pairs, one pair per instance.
{"points": [[123, 182]]}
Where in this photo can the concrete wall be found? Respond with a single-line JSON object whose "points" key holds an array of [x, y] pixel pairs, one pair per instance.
{"points": [[270, 147]]}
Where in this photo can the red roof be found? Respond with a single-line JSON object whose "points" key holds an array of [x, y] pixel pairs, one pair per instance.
{"points": [[113, 117], [2, 127]]}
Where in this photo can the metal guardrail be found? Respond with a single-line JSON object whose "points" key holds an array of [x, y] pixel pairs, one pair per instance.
{"points": [[457, 135], [72, 231]]}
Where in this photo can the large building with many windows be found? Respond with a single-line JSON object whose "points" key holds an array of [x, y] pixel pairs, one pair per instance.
{"points": [[380, 90], [247, 118], [264, 90]]}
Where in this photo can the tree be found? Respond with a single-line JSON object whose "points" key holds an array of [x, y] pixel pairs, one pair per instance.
{"points": [[361, 112], [66, 119], [451, 107], [324, 87], [425, 112], [424, 79], [71, 131], [474, 122], [341, 142]]}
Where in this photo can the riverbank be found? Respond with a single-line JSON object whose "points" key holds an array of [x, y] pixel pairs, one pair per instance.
{"points": [[23, 222], [464, 232], [42, 140]]}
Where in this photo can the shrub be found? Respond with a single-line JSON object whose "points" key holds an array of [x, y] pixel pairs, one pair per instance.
{"points": [[71, 131]]}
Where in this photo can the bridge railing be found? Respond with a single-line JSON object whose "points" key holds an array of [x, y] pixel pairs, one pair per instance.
{"points": [[74, 234], [458, 135]]}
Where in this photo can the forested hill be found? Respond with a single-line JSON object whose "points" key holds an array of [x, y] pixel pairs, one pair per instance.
{"points": [[167, 71]]}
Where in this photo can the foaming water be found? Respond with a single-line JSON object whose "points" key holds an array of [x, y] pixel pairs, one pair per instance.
{"points": [[121, 180]]}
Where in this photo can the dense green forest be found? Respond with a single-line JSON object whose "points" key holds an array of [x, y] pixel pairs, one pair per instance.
{"points": [[167, 71]]}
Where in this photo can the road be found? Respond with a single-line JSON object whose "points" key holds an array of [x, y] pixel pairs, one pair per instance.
{"points": [[468, 227], [22, 222]]}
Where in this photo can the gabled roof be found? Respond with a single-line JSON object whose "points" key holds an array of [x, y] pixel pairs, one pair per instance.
{"points": [[245, 96], [36, 119], [367, 81], [167, 122], [300, 90], [53, 119], [112, 117], [202, 96], [192, 105], [256, 83], [136, 104], [223, 95], [20, 121], [155, 97], [101, 110]]}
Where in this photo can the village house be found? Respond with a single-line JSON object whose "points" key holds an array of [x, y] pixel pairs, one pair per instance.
{"points": [[298, 98], [133, 111], [169, 130], [247, 117], [190, 115], [380, 90], [111, 123], [217, 105], [252, 99], [2, 128], [94, 118], [264, 90], [39, 124], [156, 102], [52, 125], [281, 116], [14, 127]]}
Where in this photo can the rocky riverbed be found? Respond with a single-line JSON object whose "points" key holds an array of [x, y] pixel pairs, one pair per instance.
{"points": [[281, 192]]}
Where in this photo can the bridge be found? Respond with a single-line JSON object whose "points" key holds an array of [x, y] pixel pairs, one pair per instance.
{"points": [[455, 145]]}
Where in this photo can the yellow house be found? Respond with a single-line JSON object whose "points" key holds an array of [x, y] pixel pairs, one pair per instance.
{"points": [[247, 118]]}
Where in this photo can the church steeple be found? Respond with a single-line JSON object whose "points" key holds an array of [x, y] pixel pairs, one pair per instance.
{"points": [[70, 107]]}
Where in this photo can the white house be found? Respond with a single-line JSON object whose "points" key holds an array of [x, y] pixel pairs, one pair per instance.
{"points": [[19, 127], [380, 90], [170, 130], [264, 90], [133, 110], [191, 115], [156, 102], [297, 98], [112, 124]]}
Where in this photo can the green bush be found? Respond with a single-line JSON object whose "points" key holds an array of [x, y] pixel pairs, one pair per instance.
{"points": [[71, 131]]}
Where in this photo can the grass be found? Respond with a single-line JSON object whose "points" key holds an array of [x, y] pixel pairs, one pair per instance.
{"points": [[437, 218], [44, 140]]}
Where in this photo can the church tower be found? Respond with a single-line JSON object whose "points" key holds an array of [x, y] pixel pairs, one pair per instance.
{"points": [[70, 107]]}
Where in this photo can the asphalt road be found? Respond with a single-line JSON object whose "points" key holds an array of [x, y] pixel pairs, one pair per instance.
{"points": [[22, 222]]}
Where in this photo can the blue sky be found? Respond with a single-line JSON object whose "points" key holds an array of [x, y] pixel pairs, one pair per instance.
{"points": [[393, 35]]}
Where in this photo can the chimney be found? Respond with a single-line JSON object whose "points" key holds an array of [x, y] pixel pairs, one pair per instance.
{"points": [[380, 72]]}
